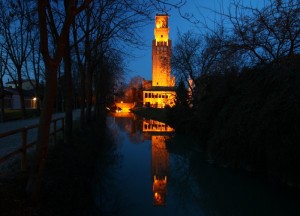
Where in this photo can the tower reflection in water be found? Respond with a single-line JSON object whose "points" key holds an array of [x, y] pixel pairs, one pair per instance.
{"points": [[158, 133]]}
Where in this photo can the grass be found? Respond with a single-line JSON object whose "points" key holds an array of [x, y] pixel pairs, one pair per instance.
{"points": [[13, 114], [66, 185], [71, 171], [13, 199]]}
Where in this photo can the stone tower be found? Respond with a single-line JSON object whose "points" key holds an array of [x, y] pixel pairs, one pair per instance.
{"points": [[161, 53], [161, 92]]}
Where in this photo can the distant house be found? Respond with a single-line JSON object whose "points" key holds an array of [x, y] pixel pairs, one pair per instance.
{"points": [[12, 99]]}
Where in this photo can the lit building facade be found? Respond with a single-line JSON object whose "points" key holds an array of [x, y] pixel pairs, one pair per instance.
{"points": [[161, 91]]}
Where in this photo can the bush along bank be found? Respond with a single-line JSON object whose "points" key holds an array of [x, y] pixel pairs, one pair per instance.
{"points": [[249, 120]]}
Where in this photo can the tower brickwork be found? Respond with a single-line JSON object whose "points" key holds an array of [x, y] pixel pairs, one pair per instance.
{"points": [[161, 53]]}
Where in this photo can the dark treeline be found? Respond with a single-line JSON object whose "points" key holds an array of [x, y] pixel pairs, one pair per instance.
{"points": [[248, 120], [243, 102]]}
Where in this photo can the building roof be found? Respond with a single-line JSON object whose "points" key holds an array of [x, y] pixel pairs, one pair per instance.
{"points": [[160, 88], [162, 14]]}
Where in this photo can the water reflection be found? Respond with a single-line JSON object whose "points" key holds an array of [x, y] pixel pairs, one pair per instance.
{"points": [[158, 133], [106, 197], [160, 175], [160, 170], [127, 122]]}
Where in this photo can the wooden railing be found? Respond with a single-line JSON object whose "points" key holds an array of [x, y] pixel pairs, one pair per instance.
{"points": [[24, 145]]}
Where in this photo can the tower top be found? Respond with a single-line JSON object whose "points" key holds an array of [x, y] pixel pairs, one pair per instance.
{"points": [[161, 20], [161, 30]]}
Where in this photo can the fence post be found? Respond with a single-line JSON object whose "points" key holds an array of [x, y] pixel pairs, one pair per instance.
{"points": [[24, 149], [54, 131], [63, 127]]}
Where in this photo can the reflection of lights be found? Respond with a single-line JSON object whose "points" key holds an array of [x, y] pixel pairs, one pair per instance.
{"points": [[157, 197], [159, 190], [124, 107], [122, 114], [107, 108], [156, 126]]}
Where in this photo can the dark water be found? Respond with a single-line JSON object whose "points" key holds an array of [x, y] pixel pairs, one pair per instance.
{"points": [[152, 171]]}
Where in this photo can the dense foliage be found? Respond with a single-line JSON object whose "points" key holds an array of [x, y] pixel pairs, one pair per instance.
{"points": [[248, 120]]}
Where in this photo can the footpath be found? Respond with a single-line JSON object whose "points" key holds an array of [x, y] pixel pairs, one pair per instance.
{"points": [[11, 125], [10, 143]]}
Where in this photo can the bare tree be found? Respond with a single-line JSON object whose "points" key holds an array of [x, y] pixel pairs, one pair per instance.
{"points": [[82, 76], [196, 58], [3, 68], [135, 86], [15, 30], [266, 34], [68, 85], [35, 68], [51, 65], [106, 73], [186, 56], [218, 56]]}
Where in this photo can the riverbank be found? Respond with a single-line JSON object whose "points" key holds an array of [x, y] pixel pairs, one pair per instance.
{"points": [[248, 121]]}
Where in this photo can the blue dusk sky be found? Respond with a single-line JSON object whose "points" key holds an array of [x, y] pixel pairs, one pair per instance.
{"points": [[202, 10]]}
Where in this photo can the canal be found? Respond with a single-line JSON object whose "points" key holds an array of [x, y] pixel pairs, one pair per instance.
{"points": [[153, 171]]}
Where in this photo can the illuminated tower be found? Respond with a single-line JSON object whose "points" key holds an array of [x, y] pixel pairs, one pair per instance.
{"points": [[161, 53], [161, 91]]}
